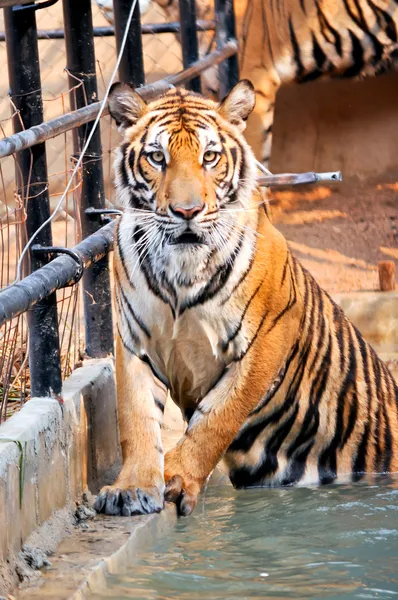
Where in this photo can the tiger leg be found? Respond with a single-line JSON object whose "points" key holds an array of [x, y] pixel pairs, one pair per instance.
{"points": [[220, 415], [139, 487]]}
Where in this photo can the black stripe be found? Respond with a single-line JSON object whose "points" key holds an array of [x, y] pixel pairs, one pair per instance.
{"points": [[285, 270], [244, 476], [131, 159], [359, 464], [318, 53], [242, 278], [146, 269], [278, 380], [331, 35], [357, 58], [125, 344], [388, 448], [384, 20], [289, 305], [134, 315], [123, 258], [145, 358], [134, 337], [296, 51], [216, 283], [159, 404], [122, 165], [232, 336], [252, 430], [350, 384]]}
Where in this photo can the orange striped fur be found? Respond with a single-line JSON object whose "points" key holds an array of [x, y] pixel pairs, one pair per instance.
{"points": [[212, 307]]}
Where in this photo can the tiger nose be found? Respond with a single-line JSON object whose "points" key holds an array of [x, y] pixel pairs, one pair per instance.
{"points": [[187, 212]]}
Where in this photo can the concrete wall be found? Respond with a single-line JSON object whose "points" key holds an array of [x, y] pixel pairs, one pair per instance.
{"points": [[65, 452], [350, 126]]}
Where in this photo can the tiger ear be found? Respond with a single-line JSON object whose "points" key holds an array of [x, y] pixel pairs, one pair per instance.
{"points": [[239, 103], [125, 105]]}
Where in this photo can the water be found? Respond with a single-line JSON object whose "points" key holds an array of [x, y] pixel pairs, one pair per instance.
{"points": [[331, 542]]}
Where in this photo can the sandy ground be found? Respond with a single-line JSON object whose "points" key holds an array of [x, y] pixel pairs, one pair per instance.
{"points": [[340, 233]]}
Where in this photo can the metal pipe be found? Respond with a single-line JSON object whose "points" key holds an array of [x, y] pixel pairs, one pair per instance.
{"points": [[108, 31], [55, 275], [298, 178], [189, 39], [228, 71], [45, 131], [81, 66], [131, 69], [32, 180]]}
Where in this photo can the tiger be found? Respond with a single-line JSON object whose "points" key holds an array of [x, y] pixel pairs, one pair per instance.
{"points": [[296, 41], [214, 310]]}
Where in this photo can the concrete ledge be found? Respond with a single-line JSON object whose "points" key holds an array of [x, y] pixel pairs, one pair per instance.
{"points": [[64, 452]]}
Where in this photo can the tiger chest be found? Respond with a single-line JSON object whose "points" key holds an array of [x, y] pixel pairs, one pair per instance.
{"points": [[189, 351]]}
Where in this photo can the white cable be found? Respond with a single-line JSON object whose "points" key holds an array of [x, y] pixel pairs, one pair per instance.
{"points": [[262, 168], [75, 170]]}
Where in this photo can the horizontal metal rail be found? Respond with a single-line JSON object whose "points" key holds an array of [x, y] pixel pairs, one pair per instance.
{"points": [[146, 29], [55, 275], [298, 178], [45, 131]]}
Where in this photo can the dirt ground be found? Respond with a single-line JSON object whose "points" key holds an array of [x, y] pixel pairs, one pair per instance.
{"points": [[340, 233]]}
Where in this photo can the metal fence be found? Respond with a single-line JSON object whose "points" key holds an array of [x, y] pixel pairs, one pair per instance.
{"points": [[48, 320]]}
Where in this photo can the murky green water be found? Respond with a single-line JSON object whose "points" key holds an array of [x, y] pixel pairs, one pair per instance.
{"points": [[331, 542]]}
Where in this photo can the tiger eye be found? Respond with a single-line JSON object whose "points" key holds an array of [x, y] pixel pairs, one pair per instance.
{"points": [[209, 156], [157, 157]]}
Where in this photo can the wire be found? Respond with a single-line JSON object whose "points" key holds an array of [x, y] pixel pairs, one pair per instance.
{"points": [[262, 168], [84, 150]]}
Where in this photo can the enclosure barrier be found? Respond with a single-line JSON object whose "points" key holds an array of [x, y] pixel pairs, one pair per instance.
{"points": [[35, 294]]}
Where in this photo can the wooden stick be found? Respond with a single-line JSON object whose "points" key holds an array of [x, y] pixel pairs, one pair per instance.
{"points": [[386, 275]]}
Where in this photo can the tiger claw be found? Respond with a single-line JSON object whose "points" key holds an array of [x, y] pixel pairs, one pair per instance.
{"points": [[127, 502], [185, 498]]}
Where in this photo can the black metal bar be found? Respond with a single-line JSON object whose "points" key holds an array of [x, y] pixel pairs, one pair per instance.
{"points": [[228, 71], [131, 69], [108, 31], [25, 84], [45, 131], [189, 39], [35, 5], [55, 275], [52, 250], [81, 66]]}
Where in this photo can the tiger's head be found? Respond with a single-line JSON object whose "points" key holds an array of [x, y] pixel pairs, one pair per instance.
{"points": [[185, 176]]}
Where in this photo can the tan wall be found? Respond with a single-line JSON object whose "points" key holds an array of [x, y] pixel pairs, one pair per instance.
{"points": [[350, 126]]}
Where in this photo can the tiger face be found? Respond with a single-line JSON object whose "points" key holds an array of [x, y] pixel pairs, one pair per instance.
{"points": [[185, 176]]}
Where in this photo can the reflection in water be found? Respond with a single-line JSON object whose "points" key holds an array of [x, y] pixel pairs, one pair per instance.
{"points": [[335, 542]]}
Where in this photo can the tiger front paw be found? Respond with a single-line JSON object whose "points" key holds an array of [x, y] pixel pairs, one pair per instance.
{"points": [[129, 500], [181, 487]]}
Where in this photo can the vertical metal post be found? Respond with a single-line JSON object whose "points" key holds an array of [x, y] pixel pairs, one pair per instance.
{"points": [[25, 84], [189, 39], [225, 31], [131, 68], [81, 66]]}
